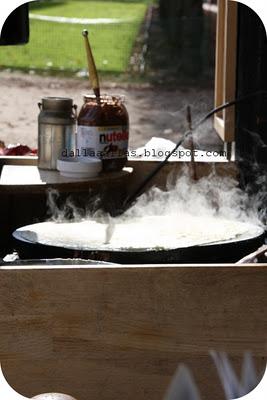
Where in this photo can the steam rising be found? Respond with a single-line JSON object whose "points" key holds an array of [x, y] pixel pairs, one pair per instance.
{"points": [[211, 196]]}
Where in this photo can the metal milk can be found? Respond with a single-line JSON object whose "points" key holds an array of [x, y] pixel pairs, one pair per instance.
{"points": [[56, 130]]}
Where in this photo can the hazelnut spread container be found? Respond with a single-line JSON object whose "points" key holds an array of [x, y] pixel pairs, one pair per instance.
{"points": [[103, 130]]}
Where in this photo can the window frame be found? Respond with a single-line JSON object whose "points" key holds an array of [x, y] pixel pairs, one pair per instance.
{"points": [[225, 68]]}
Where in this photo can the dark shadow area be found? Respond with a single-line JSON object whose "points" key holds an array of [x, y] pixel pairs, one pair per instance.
{"points": [[181, 46]]}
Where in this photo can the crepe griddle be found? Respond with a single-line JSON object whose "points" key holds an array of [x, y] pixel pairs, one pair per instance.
{"points": [[215, 252]]}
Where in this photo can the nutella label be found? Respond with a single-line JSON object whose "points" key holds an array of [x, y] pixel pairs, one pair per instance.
{"points": [[105, 142]]}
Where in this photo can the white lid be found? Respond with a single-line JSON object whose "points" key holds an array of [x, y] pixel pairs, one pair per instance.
{"points": [[79, 167]]}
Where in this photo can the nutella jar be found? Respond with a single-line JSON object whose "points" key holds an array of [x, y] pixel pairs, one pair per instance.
{"points": [[103, 131]]}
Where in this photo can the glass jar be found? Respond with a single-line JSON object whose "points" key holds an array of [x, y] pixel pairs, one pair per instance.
{"points": [[103, 131]]}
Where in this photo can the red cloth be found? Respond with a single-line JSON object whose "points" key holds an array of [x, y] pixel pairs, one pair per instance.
{"points": [[16, 150]]}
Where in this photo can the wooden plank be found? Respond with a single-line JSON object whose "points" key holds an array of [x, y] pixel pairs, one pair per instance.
{"points": [[230, 69], [219, 65], [225, 71], [23, 178], [18, 160], [219, 125], [119, 332]]}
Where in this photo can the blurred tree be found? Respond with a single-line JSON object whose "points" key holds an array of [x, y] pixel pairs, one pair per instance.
{"points": [[184, 24]]}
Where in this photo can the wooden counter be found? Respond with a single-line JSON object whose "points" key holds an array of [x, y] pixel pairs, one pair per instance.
{"points": [[29, 178], [119, 332]]}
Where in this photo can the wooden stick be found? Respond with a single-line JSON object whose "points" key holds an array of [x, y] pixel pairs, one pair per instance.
{"points": [[191, 143], [93, 76], [257, 256]]}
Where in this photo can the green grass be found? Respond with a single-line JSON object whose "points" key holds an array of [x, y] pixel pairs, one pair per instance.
{"points": [[57, 46]]}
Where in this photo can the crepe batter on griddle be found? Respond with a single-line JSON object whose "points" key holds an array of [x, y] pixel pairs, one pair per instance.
{"points": [[150, 232]]}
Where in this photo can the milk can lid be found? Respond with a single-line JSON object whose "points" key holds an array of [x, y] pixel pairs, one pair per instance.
{"points": [[57, 103]]}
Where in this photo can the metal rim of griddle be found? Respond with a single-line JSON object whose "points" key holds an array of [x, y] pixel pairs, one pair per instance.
{"points": [[54, 261]]}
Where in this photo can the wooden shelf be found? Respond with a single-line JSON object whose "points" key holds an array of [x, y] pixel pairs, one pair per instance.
{"points": [[28, 178]]}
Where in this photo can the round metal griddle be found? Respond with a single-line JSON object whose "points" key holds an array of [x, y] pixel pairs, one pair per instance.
{"points": [[216, 252]]}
